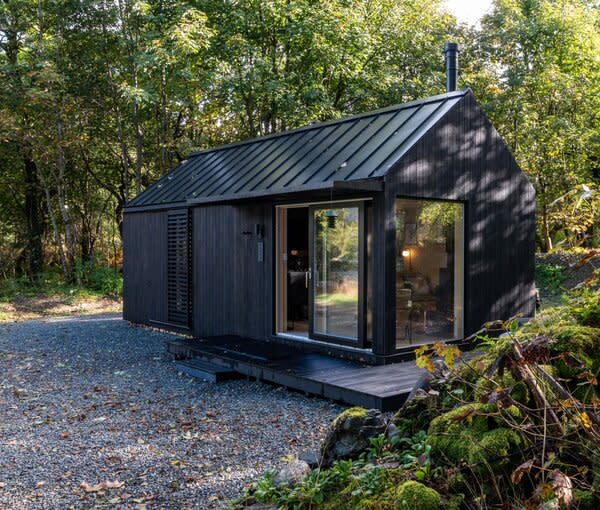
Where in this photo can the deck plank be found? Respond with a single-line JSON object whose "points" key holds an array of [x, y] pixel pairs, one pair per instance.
{"points": [[384, 387]]}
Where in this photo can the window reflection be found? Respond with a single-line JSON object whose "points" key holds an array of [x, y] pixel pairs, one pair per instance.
{"points": [[336, 271], [429, 271]]}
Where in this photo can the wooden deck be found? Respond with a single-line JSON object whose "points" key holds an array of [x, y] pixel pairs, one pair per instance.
{"points": [[378, 387]]}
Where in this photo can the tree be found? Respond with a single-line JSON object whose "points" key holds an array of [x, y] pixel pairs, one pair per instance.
{"points": [[545, 66]]}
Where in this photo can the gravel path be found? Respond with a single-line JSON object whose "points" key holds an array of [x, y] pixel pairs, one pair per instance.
{"points": [[93, 414]]}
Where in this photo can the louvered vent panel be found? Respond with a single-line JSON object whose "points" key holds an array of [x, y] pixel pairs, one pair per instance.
{"points": [[178, 268]]}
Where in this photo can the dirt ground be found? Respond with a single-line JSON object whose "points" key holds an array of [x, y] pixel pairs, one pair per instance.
{"points": [[23, 308]]}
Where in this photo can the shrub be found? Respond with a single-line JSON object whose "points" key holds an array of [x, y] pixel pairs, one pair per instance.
{"points": [[104, 279], [549, 276]]}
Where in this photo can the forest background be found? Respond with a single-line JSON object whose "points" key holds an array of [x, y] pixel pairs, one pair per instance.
{"points": [[100, 98]]}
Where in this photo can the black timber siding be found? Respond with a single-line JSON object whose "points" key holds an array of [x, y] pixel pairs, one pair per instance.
{"points": [[233, 290], [463, 158], [145, 267]]}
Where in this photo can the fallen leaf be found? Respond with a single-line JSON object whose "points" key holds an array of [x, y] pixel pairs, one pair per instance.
{"points": [[585, 420], [521, 470], [92, 488], [116, 484]]}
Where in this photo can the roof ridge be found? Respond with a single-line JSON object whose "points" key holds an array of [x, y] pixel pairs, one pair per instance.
{"points": [[317, 125]]}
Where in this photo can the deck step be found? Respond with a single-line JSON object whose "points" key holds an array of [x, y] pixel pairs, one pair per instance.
{"points": [[206, 371]]}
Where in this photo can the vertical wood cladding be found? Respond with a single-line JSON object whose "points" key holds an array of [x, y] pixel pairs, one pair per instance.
{"points": [[463, 158], [145, 267], [233, 289]]}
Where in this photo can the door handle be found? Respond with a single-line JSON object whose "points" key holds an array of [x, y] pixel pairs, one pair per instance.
{"points": [[307, 276]]}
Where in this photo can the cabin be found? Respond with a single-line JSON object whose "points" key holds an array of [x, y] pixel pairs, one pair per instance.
{"points": [[359, 238]]}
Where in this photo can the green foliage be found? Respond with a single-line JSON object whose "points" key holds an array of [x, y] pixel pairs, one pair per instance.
{"points": [[95, 108], [95, 281], [105, 280], [542, 94], [549, 276], [585, 307]]}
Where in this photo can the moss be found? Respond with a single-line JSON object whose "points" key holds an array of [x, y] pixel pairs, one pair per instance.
{"points": [[353, 412], [495, 447], [583, 342], [381, 490], [384, 501], [586, 500], [576, 338], [451, 433], [455, 502], [474, 415], [474, 433], [518, 390], [413, 495]]}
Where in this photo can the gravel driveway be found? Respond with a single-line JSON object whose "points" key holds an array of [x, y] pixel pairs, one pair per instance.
{"points": [[93, 414]]}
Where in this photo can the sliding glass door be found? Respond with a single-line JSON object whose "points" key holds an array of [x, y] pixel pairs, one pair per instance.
{"points": [[337, 256]]}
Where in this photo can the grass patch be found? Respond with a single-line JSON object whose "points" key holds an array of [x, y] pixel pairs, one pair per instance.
{"points": [[99, 290]]}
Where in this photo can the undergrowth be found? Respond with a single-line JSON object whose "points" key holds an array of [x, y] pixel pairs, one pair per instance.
{"points": [[517, 426], [91, 281]]}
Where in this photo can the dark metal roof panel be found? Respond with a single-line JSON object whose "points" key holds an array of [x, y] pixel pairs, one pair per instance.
{"points": [[353, 148]]}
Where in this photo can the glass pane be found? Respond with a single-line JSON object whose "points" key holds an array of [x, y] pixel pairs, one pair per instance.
{"points": [[429, 271], [336, 271]]}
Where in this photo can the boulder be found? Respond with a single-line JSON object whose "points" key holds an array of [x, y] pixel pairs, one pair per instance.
{"points": [[312, 458], [350, 433], [292, 473]]}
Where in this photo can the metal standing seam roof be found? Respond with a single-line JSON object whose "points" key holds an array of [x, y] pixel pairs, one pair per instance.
{"points": [[315, 156]]}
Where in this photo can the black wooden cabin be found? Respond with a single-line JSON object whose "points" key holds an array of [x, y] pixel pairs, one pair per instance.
{"points": [[362, 237]]}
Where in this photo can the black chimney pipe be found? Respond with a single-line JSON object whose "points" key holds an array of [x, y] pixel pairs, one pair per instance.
{"points": [[451, 53]]}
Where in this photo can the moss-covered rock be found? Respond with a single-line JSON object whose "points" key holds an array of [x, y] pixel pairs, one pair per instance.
{"points": [[452, 433], [474, 433], [350, 433], [413, 495], [417, 414], [495, 447]]}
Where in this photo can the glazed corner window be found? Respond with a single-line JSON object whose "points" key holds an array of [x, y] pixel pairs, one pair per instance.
{"points": [[429, 271]]}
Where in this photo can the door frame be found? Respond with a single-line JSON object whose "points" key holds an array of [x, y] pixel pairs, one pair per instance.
{"points": [[280, 293], [359, 341]]}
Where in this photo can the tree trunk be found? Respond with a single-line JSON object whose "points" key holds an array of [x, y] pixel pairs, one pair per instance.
{"points": [[62, 205], [34, 252], [138, 144], [164, 122], [33, 215], [51, 215], [546, 228]]}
